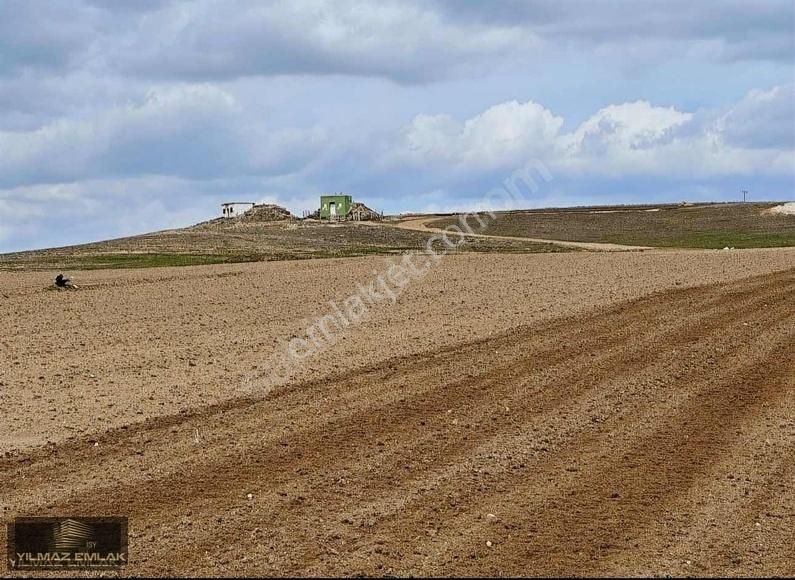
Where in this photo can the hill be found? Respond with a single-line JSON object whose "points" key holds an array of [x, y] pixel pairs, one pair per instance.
{"points": [[706, 225], [246, 240], [269, 232]]}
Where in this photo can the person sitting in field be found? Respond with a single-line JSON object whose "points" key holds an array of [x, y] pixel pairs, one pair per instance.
{"points": [[61, 282]]}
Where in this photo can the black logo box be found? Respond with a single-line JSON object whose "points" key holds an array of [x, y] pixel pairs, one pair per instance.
{"points": [[99, 536]]}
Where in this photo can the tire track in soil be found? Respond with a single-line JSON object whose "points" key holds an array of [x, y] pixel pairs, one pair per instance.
{"points": [[601, 338], [590, 525], [428, 513], [599, 330], [756, 489], [721, 531], [204, 483], [453, 450]]}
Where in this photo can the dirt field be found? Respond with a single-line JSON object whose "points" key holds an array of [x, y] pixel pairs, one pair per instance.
{"points": [[577, 413], [739, 225]]}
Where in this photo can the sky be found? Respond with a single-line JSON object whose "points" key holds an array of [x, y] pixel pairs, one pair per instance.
{"points": [[123, 117]]}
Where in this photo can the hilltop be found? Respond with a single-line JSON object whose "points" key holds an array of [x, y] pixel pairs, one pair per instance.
{"points": [[269, 232]]}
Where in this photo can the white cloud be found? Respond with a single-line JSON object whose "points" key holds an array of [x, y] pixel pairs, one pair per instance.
{"points": [[727, 30], [638, 138], [627, 139], [411, 41], [43, 214], [763, 119], [184, 130], [500, 136], [404, 41], [637, 125], [73, 147]]}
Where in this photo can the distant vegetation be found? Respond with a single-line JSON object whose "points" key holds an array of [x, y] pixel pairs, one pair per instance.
{"points": [[738, 225]]}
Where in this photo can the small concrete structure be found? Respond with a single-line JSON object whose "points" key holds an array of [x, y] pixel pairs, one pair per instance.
{"points": [[335, 207], [341, 207], [235, 208]]}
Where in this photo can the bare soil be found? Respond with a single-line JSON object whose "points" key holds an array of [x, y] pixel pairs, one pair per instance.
{"points": [[579, 413]]}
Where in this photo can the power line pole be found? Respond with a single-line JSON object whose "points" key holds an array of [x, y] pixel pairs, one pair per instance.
{"points": [[745, 193]]}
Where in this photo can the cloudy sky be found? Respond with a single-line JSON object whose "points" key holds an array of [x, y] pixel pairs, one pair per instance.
{"points": [[121, 117]]}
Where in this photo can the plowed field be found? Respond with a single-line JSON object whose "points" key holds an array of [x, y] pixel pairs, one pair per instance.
{"points": [[640, 421]]}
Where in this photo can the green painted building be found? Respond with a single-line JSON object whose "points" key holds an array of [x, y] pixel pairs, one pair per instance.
{"points": [[335, 206]]}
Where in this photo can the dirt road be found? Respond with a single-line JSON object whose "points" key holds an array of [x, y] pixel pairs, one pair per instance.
{"points": [[421, 224], [651, 436]]}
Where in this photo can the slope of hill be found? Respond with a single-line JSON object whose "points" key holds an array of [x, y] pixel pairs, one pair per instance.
{"points": [[269, 232], [242, 240], [713, 225]]}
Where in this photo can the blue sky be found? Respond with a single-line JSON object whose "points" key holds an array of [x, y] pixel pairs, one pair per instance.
{"points": [[125, 117]]}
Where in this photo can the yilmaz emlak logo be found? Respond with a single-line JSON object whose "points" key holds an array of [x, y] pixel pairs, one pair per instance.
{"points": [[56, 543]]}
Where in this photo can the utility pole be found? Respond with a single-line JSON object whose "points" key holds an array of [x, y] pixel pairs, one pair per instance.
{"points": [[745, 193]]}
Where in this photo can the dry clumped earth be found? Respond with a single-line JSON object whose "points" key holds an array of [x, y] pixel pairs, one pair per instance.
{"points": [[576, 413]]}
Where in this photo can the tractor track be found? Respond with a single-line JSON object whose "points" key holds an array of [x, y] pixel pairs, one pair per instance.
{"points": [[650, 437]]}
